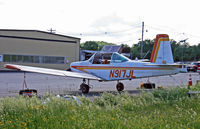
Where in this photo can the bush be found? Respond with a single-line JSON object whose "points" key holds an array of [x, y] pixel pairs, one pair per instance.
{"points": [[196, 87], [170, 94], [166, 108]]}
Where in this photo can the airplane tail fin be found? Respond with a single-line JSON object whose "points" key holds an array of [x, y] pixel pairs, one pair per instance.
{"points": [[162, 52]]}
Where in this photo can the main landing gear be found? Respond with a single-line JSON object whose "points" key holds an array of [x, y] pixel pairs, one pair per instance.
{"points": [[84, 87], [120, 86], [26, 91]]}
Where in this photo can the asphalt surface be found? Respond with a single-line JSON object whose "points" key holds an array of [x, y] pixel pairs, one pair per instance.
{"points": [[12, 82]]}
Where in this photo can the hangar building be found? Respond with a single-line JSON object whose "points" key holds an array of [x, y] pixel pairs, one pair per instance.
{"points": [[38, 48]]}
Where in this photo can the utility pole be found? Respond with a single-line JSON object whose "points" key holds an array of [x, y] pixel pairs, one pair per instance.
{"points": [[183, 41], [142, 40]]}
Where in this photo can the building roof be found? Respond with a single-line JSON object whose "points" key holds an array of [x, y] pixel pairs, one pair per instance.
{"points": [[39, 32], [89, 51], [111, 48]]}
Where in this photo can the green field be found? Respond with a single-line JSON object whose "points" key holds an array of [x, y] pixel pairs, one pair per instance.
{"points": [[164, 108]]}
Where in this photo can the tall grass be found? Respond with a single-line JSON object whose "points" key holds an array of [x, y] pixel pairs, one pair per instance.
{"points": [[166, 108]]}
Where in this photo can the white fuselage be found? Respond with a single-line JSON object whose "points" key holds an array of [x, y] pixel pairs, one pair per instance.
{"points": [[124, 70], [115, 66]]}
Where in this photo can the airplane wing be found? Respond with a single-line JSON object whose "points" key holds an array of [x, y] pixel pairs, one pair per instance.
{"points": [[51, 71]]}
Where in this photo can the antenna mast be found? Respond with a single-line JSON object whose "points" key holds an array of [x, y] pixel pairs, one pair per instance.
{"points": [[141, 54]]}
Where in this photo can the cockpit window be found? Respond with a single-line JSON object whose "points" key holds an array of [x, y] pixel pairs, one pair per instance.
{"points": [[106, 58], [101, 58], [117, 58], [91, 58]]}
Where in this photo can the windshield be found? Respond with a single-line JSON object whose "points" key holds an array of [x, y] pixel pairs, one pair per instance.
{"points": [[117, 58]]}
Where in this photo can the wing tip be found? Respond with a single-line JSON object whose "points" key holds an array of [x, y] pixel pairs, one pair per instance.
{"points": [[9, 66]]}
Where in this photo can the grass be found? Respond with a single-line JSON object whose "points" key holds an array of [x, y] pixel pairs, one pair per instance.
{"points": [[164, 108]]}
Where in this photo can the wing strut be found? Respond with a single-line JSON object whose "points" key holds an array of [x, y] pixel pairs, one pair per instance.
{"points": [[24, 83]]}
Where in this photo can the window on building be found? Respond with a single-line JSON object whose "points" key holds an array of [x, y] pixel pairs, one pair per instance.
{"points": [[19, 58], [34, 59], [60, 60], [6, 58], [1, 58], [13, 58], [26, 59]]}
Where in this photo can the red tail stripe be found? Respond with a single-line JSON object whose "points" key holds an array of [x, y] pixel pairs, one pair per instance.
{"points": [[155, 44], [11, 67]]}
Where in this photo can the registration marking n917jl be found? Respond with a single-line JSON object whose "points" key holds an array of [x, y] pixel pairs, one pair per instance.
{"points": [[121, 74]]}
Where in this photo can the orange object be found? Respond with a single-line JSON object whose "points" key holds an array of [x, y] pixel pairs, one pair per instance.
{"points": [[141, 85], [190, 80], [11, 67]]}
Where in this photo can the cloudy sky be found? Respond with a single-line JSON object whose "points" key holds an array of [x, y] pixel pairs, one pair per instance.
{"points": [[116, 21]]}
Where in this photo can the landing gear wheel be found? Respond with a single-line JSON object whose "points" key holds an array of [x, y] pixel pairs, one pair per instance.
{"points": [[120, 86], [28, 92], [84, 88]]}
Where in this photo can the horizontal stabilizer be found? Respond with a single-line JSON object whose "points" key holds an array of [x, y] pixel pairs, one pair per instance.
{"points": [[164, 65], [167, 65]]}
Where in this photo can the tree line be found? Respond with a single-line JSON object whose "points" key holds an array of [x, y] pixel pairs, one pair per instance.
{"points": [[181, 51]]}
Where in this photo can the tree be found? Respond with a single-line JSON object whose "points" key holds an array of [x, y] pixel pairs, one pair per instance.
{"points": [[94, 45], [135, 51], [147, 49], [176, 50], [89, 45], [180, 51]]}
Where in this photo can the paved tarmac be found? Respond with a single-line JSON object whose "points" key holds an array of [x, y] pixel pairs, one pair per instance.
{"points": [[12, 82]]}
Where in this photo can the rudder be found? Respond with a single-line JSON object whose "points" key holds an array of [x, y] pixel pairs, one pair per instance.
{"points": [[162, 52]]}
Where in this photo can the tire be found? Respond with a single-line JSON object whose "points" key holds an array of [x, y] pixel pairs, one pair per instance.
{"points": [[84, 88], [28, 92], [120, 86], [149, 85], [69, 69]]}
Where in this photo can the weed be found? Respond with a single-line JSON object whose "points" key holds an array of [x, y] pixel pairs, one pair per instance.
{"points": [[165, 108]]}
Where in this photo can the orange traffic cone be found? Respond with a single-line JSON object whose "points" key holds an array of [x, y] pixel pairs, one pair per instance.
{"points": [[190, 80]]}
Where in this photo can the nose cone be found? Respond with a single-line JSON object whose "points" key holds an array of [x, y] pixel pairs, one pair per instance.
{"points": [[73, 66], [76, 66], [79, 66]]}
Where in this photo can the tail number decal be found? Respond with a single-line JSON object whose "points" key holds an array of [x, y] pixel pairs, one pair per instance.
{"points": [[121, 74]]}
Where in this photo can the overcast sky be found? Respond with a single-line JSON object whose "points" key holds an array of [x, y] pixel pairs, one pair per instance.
{"points": [[116, 21]]}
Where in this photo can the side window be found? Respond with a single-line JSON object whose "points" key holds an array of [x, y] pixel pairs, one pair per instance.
{"points": [[106, 58], [101, 58]]}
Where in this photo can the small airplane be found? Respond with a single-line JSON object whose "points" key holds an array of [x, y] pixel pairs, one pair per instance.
{"points": [[116, 67]]}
